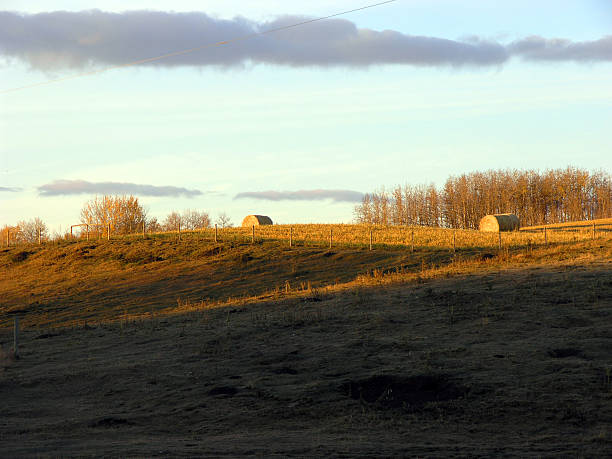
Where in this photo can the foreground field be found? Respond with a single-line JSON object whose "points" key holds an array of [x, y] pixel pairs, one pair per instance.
{"points": [[503, 354]]}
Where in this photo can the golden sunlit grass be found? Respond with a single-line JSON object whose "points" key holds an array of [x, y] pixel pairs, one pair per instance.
{"points": [[128, 278], [600, 224], [318, 235]]}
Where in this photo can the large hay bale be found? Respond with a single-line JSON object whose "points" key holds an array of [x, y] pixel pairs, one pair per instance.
{"points": [[256, 220], [499, 222]]}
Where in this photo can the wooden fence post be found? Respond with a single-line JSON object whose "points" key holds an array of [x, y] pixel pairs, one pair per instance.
{"points": [[370, 238], [39, 238], [253, 234], [16, 338], [291, 236], [216, 233], [87, 229], [179, 231], [144, 231], [412, 240]]}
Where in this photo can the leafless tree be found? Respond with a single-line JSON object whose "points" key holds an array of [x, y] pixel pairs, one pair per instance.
{"points": [[29, 231], [553, 196], [224, 221], [123, 213]]}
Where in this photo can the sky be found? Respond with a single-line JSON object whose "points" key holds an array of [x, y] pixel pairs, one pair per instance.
{"points": [[296, 124]]}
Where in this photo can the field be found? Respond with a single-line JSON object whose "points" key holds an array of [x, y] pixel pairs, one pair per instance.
{"points": [[603, 223], [167, 347]]}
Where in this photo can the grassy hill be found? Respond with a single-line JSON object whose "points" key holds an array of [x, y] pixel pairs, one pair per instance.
{"points": [[164, 348], [70, 282], [601, 224], [99, 280]]}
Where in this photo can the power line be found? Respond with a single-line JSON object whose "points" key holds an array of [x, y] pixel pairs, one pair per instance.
{"points": [[191, 50]]}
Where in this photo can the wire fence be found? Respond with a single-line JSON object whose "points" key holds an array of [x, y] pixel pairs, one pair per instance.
{"points": [[363, 236]]}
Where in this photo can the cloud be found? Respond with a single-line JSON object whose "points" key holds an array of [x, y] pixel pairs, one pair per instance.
{"points": [[304, 195], [63, 39], [9, 189], [537, 48], [71, 187], [91, 39]]}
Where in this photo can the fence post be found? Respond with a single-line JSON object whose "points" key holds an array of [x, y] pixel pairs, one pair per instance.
{"points": [[330, 238], [144, 231], [16, 338], [291, 236], [179, 231], [87, 229], [39, 238], [412, 240], [370, 238], [253, 234], [215, 232]]}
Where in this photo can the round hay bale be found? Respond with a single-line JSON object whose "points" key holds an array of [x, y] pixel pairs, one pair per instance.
{"points": [[499, 222], [256, 220]]}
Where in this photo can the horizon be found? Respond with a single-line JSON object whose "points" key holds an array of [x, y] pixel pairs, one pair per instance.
{"points": [[407, 92]]}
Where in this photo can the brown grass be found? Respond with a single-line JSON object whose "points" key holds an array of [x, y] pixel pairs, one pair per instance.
{"points": [[465, 356], [601, 224], [73, 283]]}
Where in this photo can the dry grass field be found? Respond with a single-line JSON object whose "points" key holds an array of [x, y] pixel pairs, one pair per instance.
{"points": [[160, 347], [602, 223]]}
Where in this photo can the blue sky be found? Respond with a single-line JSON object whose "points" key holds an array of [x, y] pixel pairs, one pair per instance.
{"points": [[263, 126]]}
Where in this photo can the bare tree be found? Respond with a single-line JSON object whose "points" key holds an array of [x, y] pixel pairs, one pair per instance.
{"points": [[188, 220], [537, 198], [193, 219], [153, 226], [173, 222], [29, 231], [224, 221], [123, 213]]}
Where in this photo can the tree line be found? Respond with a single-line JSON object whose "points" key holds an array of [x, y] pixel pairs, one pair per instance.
{"points": [[124, 215], [537, 198]]}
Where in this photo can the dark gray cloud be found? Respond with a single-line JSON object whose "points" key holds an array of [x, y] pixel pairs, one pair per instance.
{"points": [[81, 39], [541, 49], [71, 187], [9, 189], [304, 195]]}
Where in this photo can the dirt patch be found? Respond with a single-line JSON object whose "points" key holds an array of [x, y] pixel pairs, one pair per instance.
{"points": [[410, 392], [20, 256], [284, 371], [565, 352], [46, 335], [227, 391], [109, 422]]}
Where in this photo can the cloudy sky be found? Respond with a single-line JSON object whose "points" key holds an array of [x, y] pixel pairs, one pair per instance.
{"points": [[292, 122]]}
